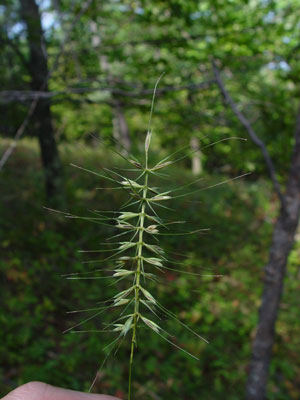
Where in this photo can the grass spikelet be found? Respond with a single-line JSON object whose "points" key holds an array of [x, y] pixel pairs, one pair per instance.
{"points": [[136, 258]]}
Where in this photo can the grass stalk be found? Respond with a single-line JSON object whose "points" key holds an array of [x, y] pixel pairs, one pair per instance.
{"points": [[137, 278]]}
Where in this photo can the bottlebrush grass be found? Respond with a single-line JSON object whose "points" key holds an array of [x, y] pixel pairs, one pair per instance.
{"points": [[139, 256]]}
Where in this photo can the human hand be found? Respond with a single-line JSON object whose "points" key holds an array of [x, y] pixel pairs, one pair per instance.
{"points": [[42, 391]]}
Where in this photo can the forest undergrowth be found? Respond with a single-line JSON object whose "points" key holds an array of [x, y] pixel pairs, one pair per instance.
{"points": [[39, 248]]}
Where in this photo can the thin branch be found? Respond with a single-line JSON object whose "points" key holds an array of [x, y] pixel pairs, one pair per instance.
{"points": [[7, 96], [18, 135], [247, 125]]}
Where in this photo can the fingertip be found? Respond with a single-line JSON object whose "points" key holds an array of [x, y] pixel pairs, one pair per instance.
{"points": [[42, 391]]}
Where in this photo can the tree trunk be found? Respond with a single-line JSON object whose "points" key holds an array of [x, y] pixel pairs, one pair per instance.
{"points": [[120, 127], [196, 156], [42, 117], [282, 242], [193, 119]]}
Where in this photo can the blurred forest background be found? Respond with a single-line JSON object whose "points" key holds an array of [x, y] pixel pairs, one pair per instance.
{"points": [[76, 84]]}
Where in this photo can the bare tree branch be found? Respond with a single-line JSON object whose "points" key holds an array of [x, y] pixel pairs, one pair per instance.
{"points": [[247, 125], [7, 96]]}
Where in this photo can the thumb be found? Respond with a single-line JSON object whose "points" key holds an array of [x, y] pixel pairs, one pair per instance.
{"points": [[42, 391]]}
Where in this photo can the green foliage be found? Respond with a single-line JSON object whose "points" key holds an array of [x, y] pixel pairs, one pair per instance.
{"points": [[117, 49], [38, 248]]}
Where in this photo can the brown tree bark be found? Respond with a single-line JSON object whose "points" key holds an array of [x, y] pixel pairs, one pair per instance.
{"points": [[282, 242], [42, 118]]}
